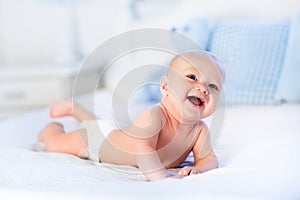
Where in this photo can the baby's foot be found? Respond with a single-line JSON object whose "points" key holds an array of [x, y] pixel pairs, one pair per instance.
{"points": [[61, 108], [49, 135]]}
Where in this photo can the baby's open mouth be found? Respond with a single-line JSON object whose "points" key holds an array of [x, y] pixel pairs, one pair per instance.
{"points": [[195, 100]]}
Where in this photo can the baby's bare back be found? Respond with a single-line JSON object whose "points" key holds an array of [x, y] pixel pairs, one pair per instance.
{"points": [[172, 143]]}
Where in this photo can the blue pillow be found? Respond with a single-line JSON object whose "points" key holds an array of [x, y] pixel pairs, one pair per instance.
{"points": [[198, 29], [289, 84], [252, 53], [150, 92]]}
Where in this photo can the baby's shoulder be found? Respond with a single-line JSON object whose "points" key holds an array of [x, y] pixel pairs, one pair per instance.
{"points": [[155, 111], [201, 127], [152, 115], [158, 113]]}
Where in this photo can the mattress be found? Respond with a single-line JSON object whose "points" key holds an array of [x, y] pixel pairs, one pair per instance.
{"points": [[258, 152]]}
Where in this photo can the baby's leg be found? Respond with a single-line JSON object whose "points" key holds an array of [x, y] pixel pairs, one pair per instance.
{"points": [[55, 140], [69, 108]]}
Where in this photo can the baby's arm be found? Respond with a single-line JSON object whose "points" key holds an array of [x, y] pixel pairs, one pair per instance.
{"points": [[204, 157], [148, 160], [146, 129]]}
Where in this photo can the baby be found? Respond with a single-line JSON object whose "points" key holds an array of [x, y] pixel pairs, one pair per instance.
{"points": [[160, 137]]}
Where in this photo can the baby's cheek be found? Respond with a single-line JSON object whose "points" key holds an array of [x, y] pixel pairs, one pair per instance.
{"points": [[215, 99], [210, 108]]}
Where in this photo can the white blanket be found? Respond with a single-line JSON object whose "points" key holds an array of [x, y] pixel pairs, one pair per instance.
{"points": [[258, 151]]}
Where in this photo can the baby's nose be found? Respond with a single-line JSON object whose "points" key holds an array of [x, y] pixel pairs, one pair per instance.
{"points": [[201, 88]]}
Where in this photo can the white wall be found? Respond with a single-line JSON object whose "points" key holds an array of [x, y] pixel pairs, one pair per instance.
{"points": [[99, 20], [39, 31], [33, 32], [243, 8], [175, 12]]}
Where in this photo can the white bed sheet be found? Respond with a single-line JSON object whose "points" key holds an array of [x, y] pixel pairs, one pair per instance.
{"points": [[258, 151]]}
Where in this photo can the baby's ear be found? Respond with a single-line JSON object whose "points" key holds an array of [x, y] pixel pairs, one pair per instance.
{"points": [[163, 85]]}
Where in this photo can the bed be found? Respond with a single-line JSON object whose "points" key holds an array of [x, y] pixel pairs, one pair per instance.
{"points": [[258, 155]]}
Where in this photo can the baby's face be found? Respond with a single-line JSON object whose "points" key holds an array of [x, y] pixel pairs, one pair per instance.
{"points": [[194, 85]]}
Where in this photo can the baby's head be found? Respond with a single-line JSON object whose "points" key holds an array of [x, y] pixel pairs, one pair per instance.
{"points": [[192, 87]]}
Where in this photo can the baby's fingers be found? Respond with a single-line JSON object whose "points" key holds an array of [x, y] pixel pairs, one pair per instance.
{"points": [[188, 171], [185, 171]]}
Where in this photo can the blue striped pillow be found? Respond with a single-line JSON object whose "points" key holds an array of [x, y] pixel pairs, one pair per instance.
{"points": [[252, 54], [289, 85]]}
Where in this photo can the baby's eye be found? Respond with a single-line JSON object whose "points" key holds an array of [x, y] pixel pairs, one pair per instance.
{"points": [[192, 76], [213, 86]]}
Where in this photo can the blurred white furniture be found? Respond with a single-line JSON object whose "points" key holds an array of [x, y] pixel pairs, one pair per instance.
{"points": [[24, 89]]}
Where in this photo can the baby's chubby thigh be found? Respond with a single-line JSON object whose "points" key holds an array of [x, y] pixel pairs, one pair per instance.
{"points": [[117, 149]]}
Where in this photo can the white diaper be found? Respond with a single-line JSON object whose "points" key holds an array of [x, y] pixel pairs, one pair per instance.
{"points": [[97, 131]]}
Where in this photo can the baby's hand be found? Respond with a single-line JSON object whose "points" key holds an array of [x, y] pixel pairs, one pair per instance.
{"points": [[187, 170]]}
